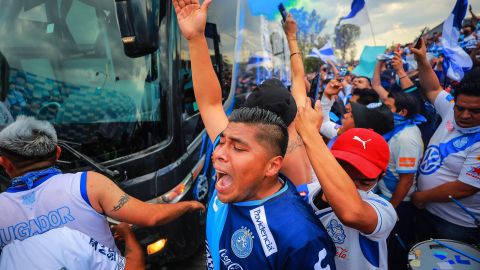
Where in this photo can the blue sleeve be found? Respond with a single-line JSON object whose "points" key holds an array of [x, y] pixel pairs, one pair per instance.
{"points": [[315, 254]]}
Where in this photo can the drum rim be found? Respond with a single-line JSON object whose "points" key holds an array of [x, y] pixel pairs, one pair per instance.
{"points": [[442, 240]]}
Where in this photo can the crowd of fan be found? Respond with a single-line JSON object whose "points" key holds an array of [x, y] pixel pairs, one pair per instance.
{"points": [[376, 159]]}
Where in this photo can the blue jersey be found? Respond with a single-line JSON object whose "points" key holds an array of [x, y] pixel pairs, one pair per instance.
{"points": [[279, 232]]}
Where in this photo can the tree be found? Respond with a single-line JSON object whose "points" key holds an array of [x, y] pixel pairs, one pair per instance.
{"points": [[345, 37]]}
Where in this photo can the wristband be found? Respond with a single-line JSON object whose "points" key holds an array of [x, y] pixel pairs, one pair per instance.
{"points": [[403, 77], [292, 54]]}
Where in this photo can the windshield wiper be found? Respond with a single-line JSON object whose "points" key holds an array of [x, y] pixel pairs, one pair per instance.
{"points": [[114, 175]]}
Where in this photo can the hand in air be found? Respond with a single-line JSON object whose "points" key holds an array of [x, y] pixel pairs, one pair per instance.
{"points": [[332, 89], [290, 27], [192, 17], [309, 120], [397, 62], [421, 53]]}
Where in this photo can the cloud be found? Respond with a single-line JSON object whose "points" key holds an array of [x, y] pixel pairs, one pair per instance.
{"points": [[393, 21]]}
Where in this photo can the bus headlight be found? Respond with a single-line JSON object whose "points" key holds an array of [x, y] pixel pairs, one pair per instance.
{"points": [[156, 247]]}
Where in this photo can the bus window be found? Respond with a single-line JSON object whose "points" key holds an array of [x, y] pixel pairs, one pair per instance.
{"points": [[69, 67]]}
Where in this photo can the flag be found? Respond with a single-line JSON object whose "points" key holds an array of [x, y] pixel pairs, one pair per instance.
{"points": [[368, 60], [260, 59], [358, 14], [325, 53], [457, 61]]}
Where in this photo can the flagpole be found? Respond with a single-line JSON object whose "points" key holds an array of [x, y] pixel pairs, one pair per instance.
{"points": [[371, 26]]}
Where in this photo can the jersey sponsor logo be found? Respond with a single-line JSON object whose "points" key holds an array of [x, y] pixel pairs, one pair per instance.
{"points": [[364, 143], [432, 160], [450, 98], [336, 232], [242, 242], [321, 256], [261, 225], [228, 262], [474, 172], [38, 225], [342, 253], [407, 162], [106, 251]]}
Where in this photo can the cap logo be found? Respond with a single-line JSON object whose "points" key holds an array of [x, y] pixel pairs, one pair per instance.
{"points": [[374, 105], [364, 143]]}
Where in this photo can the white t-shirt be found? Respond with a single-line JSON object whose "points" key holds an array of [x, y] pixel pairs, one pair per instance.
{"points": [[328, 129], [406, 149], [61, 248], [451, 155], [356, 250]]}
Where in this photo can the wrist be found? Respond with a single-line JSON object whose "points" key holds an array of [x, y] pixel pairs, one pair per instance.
{"points": [[194, 39], [292, 37]]}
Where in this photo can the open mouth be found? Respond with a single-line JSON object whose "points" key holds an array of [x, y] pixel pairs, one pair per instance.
{"points": [[224, 181]]}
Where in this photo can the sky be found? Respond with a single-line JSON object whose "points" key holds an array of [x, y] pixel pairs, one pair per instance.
{"points": [[393, 21]]}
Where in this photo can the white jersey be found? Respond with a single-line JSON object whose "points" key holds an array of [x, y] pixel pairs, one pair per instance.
{"points": [[406, 149], [61, 248], [451, 155], [58, 201], [356, 250]]}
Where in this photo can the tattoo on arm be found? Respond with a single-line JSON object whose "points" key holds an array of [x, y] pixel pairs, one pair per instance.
{"points": [[294, 144], [123, 200]]}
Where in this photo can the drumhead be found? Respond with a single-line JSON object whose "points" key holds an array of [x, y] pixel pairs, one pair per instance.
{"points": [[428, 255]]}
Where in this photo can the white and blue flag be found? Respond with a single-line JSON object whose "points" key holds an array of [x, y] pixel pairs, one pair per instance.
{"points": [[358, 14], [457, 61], [326, 53]]}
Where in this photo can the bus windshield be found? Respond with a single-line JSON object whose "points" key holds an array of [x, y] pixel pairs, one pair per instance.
{"points": [[63, 61]]}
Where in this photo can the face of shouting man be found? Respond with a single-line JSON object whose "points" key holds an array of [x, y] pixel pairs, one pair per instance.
{"points": [[247, 162]]}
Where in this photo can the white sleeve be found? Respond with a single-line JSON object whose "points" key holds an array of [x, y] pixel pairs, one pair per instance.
{"points": [[386, 218], [328, 129], [408, 154], [470, 173], [444, 104]]}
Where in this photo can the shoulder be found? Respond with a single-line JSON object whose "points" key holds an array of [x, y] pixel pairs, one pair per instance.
{"points": [[382, 206], [410, 135]]}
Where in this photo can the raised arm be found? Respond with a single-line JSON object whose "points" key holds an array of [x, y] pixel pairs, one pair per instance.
{"points": [[192, 19], [338, 187], [107, 198], [299, 91], [377, 83], [429, 81], [397, 64]]}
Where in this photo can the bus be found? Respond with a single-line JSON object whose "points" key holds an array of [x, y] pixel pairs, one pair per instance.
{"points": [[129, 111]]}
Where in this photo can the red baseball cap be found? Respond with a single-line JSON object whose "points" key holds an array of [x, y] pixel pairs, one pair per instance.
{"points": [[364, 149]]}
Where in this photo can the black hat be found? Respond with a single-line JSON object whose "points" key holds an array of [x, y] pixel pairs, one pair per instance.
{"points": [[374, 116], [272, 95]]}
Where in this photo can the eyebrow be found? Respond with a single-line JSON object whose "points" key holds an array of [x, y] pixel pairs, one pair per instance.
{"points": [[235, 139]]}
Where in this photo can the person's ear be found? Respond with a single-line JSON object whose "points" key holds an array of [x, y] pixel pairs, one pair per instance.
{"points": [[403, 112], [58, 153], [273, 167]]}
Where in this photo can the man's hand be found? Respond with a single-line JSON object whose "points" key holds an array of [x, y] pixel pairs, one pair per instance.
{"points": [[309, 120], [192, 17], [290, 27], [196, 206], [397, 63], [332, 89], [417, 200], [122, 231], [421, 53]]}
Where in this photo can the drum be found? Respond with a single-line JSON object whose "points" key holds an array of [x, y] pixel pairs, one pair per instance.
{"points": [[429, 255]]}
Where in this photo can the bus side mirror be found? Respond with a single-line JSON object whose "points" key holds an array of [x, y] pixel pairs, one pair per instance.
{"points": [[138, 22]]}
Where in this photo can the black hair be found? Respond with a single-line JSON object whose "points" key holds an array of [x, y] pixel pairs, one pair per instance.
{"points": [[365, 77], [470, 85], [405, 101], [272, 130], [366, 96]]}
